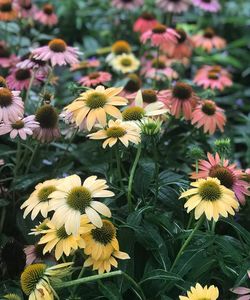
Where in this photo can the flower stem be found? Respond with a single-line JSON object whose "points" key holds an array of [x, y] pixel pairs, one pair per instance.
{"points": [[29, 88], [156, 175], [131, 177], [118, 162], [32, 158], [198, 224], [18, 156]]}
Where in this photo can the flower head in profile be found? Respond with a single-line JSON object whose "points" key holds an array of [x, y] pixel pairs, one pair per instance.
{"points": [[209, 116], [11, 105], [173, 6], [34, 254], [212, 6], [228, 174], [37, 280], [26, 9], [19, 79], [213, 77], [118, 48], [46, 16], [139, 110], [60, 241], [57, 52], [159, 35], [34, 64], [198, 293], [40, 227], [8, 10], [21, 127], [127, 4], [145, 22], [209, 197], [12, 296], [7, 59], [86, 64], [95, 78], [133, 85], [47, 117], [38, 201], [208, 40], [74, 198], [181, 99], [103, 248], [94, 105], [125, 63], [117, 130]]}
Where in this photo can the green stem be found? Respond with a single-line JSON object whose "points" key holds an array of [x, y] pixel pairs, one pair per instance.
{"points": [[191, 217], [32, 158], [186, 243], [29, 88], [156, 175], [131, 177], [118, 162], [213, 226], [156, 67], [136, 285], [87, 279], [18, 156], [79, 276]]}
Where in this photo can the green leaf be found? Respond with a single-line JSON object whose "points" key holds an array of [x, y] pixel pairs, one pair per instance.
{"points": [[109, 290], [160, 275]]}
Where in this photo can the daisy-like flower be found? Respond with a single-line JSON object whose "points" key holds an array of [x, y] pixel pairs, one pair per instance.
{"points": [[198, 292], [159, 35], [242, 292], [94, 104], [118, 48], [57, 238], [57, 52], [47, 117], [159, 69], [183, 48], [182, 100], [212, 6], [7, 59], [209, 116], [46, 16], [125, 63], [35, 64], [40, 227], [103, 248], [26, 8], [8, 11], [74, 198], [145, 22], [228, 174], [213, 77], [34, 254], [174, 6], [95, 78], [210, 197], [11, 105], [139, 110], [127, 4], [19, 79], [86, 64], [21, 127], [208, 40], [12, 297], [36, 280], [133, 85], [118, 130], [38, 201]]}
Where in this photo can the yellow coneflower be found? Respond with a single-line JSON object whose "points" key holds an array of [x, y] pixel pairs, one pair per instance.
{"points": [[125, 63], [94, 104], [118, 130], [210, 197], [58, 239], [74, 198], [103, 248], [36, 280], [40, 227], [200, 293], [39, 200], [120, 47]]}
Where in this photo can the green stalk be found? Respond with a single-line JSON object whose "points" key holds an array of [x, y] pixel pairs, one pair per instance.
{"points": [[198, 224], [18, 156], [32, 158], [118, 162], [131, 177], [156, 175], [29, 88]]}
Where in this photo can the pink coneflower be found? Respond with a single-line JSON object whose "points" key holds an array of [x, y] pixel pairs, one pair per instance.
{"points": [[34, 254], [174, 6], [182, 100], [145, 22], [19, 79], [46, 16], [159, 35], [39, 66], [95, 78], [213, 77], [57, 52], [133, 85], [229, 175], [242, 292], [6, 58], [207, 5], [86, 64], [48, 130], [182, 49], [8, 11], [209, 116], [26, 8], [208, 40], [11, 105], [127, 4], [158, 69], [21, 127]]}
